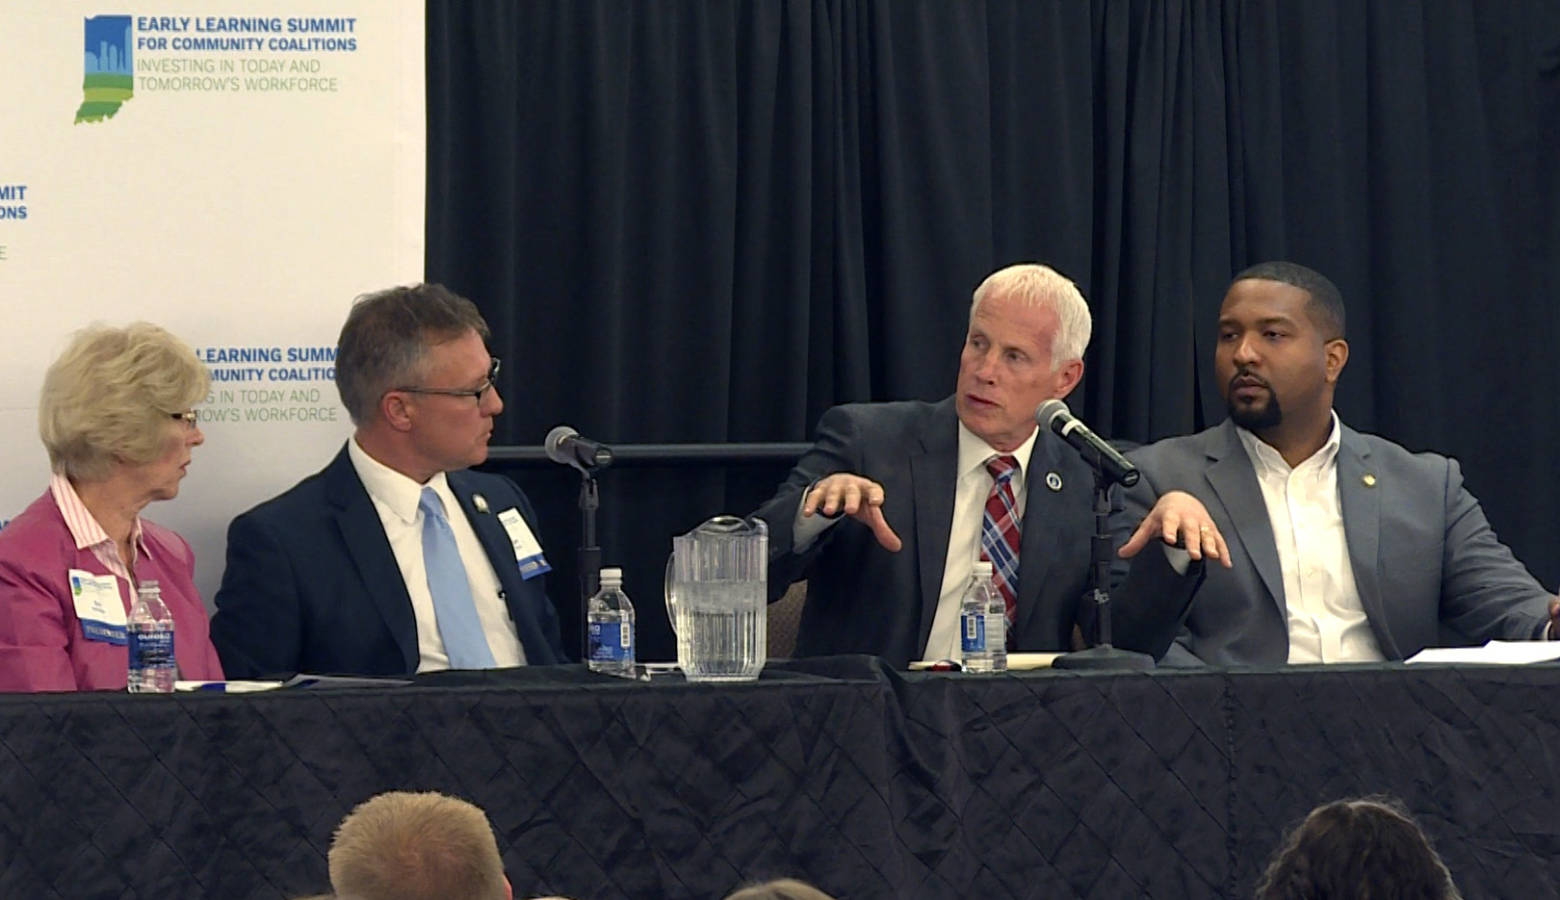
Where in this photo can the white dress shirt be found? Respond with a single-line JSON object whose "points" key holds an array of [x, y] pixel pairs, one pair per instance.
{"points": [[1326, 621], [969, 511], [396, 499]]}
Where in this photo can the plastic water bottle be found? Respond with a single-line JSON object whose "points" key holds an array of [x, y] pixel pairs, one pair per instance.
{"points": [[982, 621], [150, 638], [610, 619], [996, 626]]}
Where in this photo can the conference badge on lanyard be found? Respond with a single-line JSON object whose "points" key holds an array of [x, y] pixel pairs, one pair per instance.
{"points": [[98, 606], [528, 550]]}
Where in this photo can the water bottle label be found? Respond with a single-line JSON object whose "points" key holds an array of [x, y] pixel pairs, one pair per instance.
{"points": [[996, 630], [151, 649], [610, 642], [974, 637]]}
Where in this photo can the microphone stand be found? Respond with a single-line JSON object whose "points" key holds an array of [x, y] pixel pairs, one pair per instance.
{"points": [[588, 556], [1102, 549]]}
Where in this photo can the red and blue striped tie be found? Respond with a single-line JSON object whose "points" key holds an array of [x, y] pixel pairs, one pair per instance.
{"points": [[999, 533]]}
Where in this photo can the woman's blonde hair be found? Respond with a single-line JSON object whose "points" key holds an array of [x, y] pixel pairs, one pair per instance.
{"points": [[109, 397]]}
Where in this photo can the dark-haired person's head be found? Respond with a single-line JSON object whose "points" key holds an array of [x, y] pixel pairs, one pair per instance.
{"points": [[1326, 303], [414, 372], [1280, 351], [1363, 849]]}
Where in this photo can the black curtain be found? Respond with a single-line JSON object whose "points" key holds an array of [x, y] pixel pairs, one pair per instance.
{"points": [[709, 221]]}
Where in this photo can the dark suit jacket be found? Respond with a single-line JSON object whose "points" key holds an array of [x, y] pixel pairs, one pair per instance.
{"points": [[1422, 552], [312, 585], [864, 599]]}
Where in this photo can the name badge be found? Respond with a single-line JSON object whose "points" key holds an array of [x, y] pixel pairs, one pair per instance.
{"points": [[98, 606], [528, 550]]}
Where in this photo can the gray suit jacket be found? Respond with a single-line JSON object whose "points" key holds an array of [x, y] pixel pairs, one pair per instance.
{"points": [[1423, 554], [864, 599]]}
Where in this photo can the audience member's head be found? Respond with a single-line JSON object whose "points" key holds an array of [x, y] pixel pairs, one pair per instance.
{"points": [[1365, 849], [780, 889], [406, 846]]}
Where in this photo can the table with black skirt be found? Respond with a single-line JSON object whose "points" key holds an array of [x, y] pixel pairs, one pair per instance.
{"points": [[868, 782]]}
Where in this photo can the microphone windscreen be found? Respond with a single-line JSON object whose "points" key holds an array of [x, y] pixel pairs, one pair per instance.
{"points": [[1047, 412], [554, 443]]}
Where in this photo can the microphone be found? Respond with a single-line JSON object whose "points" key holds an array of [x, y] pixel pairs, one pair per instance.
{"points": [[1053, 414], [564, 445]]}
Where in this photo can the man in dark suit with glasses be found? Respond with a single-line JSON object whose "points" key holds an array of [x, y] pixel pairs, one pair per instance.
{"points": [[395, 559]]}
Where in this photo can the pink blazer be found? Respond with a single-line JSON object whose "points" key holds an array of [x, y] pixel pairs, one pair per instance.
{"points": [[42, 647]]}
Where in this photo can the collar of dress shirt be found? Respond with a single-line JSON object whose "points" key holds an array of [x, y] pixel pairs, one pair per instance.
{"points": [[84, 527], [973, 453], [395, 491], [1268, 460]]}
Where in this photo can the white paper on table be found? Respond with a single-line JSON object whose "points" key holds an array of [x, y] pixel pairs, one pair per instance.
{"points": [[1016, 662], [227, 687], [1494, 653], [305, 681]]}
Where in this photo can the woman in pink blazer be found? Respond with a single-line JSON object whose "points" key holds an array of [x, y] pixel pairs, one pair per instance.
{"points": [[116, 418]]}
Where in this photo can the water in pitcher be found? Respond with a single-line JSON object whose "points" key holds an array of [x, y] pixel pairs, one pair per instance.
{"points": [[722, 630]]}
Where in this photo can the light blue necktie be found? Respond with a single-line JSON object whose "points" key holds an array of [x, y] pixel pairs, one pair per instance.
{"points": [[456, 614]]}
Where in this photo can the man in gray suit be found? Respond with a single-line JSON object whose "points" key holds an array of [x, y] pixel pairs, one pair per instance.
{"points": [[916, 479], [1345, 546]]}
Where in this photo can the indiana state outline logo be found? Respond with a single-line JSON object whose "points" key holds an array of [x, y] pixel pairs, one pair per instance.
{"points": [[107, 83]]}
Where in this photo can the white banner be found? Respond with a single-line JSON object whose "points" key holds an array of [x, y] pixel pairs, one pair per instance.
{"points": [[234, 171]]}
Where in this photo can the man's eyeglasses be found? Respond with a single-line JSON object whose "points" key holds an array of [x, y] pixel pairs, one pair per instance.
{"points": [[474, 393], [188, 417]]}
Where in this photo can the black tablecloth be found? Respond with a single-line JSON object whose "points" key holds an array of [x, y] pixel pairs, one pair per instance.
{"points": [[867, 782]]}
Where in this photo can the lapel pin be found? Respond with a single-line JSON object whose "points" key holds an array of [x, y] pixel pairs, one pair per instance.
{"points": [[480, 502], [1369, 479], [1053, 481]]}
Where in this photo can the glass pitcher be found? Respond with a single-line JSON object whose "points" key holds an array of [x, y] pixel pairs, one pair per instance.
{"points": [[717, 581]]}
